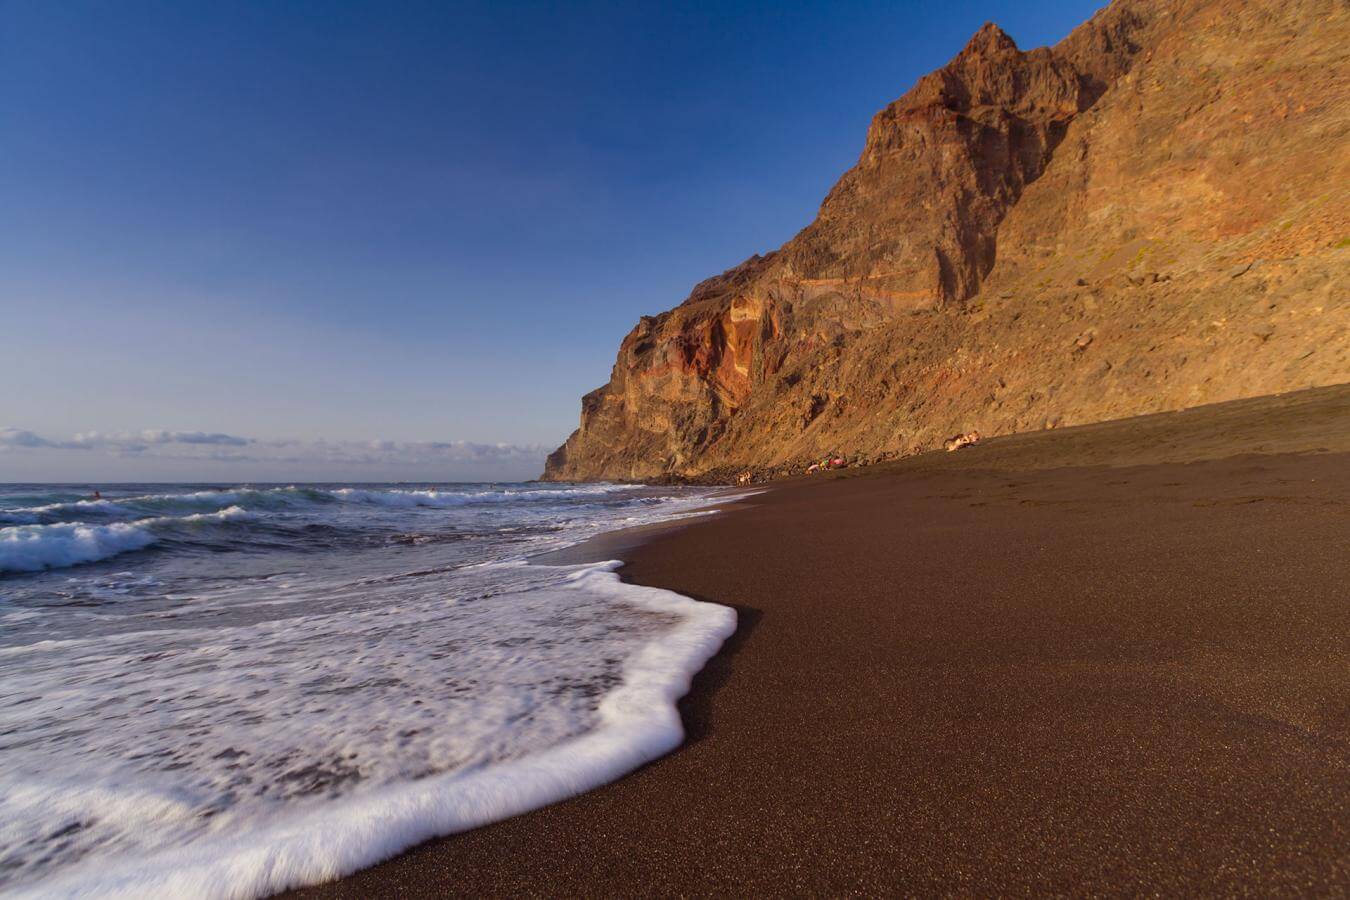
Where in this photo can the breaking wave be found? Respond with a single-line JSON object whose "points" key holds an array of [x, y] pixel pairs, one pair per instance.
{"points": [[312, 817], [293, 497], [290, 683], [442, 499], [33, 548]]}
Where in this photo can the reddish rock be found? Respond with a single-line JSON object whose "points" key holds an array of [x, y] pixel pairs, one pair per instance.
{"points": [[943, 275]]}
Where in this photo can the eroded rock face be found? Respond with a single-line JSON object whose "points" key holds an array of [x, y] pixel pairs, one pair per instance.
{"points": [[1027, 240]]}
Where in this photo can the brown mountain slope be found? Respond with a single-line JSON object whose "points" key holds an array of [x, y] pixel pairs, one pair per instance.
{"points": [[1153, 214]]}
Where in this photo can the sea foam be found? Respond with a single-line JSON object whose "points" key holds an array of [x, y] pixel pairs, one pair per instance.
{"points": [[32, 548], [290, 683], [291, 497], [251, 850], [441, 499]]}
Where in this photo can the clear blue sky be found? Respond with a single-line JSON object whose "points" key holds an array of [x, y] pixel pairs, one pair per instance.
{"points": [[406, 222]]}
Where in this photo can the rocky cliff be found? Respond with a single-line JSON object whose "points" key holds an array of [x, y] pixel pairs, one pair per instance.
{"points": [[1150, 215]]}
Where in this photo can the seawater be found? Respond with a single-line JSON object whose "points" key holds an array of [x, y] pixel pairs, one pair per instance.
{"points": [[219, 691]]}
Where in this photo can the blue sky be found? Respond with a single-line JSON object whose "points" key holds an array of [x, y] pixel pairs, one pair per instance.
{"points": [[398, 224]]}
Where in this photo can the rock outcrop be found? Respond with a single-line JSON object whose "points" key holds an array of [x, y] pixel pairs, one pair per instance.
{"points": [[1150, 215]]}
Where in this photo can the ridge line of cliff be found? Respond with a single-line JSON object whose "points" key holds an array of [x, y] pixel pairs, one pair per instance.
{"points": [[861, 333]]}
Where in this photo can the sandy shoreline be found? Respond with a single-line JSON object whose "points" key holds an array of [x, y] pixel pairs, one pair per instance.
{"points": [[1108, 659]]}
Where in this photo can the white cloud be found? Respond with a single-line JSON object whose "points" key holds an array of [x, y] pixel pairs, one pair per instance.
{"points": [[217, 447], [137, 441], [121, 441], [18, 437]]}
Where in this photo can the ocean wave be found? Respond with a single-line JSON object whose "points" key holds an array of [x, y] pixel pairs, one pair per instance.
{"points": [[146, 504], [342, 809], [33, 548], [433, 498], [32, 515], [228, 514], [281, 498], [397, 681]]}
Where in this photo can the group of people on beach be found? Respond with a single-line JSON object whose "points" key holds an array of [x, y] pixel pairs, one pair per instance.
{"points": [[829, 462]]}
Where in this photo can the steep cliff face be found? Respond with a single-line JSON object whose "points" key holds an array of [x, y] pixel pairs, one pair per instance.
{"points": [[1150, 215]]}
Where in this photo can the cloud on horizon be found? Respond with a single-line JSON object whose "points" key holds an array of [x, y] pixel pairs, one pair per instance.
{"points": [[120, 441], [217, 447]]}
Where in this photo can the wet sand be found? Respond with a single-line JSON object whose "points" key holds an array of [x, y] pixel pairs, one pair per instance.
{"points": [[1113, 659]]}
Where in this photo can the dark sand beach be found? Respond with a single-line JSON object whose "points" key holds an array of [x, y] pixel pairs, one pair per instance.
{"points": [[1110, 659]]}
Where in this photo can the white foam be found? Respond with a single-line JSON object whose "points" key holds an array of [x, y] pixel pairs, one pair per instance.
{"points": [[216, 727], [32, 548], [26, 515], [228, 514], [293, 496], [119, 506], [432, 498], [252, 851]]}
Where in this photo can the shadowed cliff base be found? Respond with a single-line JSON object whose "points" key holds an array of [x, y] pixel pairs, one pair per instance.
{"points": [[1104, 660], [1150, 215]]}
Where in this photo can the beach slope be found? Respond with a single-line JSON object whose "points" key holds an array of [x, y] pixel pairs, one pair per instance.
{"points": [[1108, 659]]}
